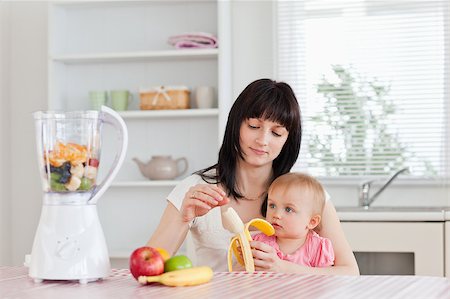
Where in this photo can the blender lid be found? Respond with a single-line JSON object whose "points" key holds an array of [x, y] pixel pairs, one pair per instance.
{"points": [[89, 114]]}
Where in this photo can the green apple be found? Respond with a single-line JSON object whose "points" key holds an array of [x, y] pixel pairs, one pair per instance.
{"points": [[177, 262]]}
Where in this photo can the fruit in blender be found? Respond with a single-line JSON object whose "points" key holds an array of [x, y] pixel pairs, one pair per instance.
{"points": [[85, 184], [77, 170], [73, 184], [68, 170]]}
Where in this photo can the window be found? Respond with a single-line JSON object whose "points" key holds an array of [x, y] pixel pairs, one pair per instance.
{"points": [[372, 79]]}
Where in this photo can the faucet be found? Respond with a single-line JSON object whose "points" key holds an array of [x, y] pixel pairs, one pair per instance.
{"points": [[365, 200]]}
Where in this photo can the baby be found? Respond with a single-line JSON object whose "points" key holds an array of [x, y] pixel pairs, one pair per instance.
{"points": [[294, 209]]}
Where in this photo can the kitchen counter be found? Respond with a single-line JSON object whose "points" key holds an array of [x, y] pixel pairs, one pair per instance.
{"points": [[404, 214], [15, 283]]}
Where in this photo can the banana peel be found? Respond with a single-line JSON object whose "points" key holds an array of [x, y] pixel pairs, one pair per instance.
{"points": [[243, 238]]}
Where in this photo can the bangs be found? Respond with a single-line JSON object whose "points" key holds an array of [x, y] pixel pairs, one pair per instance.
{"points": [[271, 106]]}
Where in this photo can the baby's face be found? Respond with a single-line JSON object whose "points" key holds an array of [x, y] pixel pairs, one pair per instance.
{"points": [[289, 210]]}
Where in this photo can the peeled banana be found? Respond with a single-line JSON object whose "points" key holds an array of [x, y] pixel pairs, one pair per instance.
{"points": [[179, 278], [233, 223]]}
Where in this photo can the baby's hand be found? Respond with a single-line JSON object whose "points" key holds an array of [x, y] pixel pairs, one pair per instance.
{"points": [[265, 257]]}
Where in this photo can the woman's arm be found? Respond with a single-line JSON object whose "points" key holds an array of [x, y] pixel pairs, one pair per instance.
{"points": [[174, 224], [331, 228], [344, 264], [171, 231]]}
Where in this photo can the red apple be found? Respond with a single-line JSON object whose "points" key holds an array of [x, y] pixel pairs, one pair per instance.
{"points": [[146, 261]]}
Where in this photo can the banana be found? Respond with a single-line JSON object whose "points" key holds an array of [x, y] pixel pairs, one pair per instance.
{"points": [[179, 278], [242, 240]]}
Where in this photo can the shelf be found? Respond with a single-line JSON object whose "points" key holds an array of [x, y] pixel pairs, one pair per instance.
{"points": [[137, 56], [169, 113], [115, 3], [162, 183]]}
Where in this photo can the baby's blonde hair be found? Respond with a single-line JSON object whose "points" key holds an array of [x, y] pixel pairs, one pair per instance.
{"points": [[303, 180]]}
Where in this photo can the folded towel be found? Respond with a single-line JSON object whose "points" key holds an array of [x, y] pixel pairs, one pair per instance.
{"points": [[194, 40]]}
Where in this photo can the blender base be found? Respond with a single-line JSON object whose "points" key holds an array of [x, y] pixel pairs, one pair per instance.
{"points": [[69, 245], [81, 281]]}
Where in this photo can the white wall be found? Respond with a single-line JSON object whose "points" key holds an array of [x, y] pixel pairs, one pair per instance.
{"points": [[252, 43], [5, 239], [28, 93]]}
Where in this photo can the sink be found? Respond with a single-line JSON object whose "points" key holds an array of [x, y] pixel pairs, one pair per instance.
{"points": [[395, 209]]}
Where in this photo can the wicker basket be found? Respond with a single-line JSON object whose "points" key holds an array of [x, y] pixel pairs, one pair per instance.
{"points": [[165, 97]]}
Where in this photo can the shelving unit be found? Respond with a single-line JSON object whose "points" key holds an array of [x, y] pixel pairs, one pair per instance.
{"points": [[116, 45]]}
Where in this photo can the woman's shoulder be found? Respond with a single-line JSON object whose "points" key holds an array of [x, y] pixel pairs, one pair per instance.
{"points": [[189, 181], [192, 179], [177, 194]]}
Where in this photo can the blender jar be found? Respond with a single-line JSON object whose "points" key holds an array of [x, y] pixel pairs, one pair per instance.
{"points": [[68, 150], [68, 147]]}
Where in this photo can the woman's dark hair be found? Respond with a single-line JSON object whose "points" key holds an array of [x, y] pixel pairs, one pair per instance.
{"points": [[265, 99]]}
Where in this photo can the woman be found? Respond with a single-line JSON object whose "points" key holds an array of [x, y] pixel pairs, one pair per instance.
{"points": [[261, 142]]}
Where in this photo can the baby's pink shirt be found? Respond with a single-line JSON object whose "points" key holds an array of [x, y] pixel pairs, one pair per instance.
{"points": [[315, 252]]}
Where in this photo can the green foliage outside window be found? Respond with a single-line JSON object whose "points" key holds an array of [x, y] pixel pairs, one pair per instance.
{"points": [[351, 135]]}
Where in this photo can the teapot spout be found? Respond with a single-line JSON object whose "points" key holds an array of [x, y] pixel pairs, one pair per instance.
{"points": [[140, 164]]}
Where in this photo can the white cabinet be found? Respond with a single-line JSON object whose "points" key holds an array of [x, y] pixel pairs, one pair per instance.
{"points": [[418, 246], [101, 45]]}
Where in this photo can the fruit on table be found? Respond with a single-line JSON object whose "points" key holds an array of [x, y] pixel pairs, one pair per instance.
{"points": [[179, 278], [242, 240], [177, 262], [165, 255], [146, 261]]}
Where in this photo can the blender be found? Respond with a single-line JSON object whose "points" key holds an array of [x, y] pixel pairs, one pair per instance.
{"points": [[69, 243]]}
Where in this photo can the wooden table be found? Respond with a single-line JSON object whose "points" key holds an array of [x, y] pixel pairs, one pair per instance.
{"points": [[15, 283]]}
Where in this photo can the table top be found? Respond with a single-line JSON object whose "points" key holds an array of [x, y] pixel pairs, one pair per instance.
{"points": [[15, 283]]}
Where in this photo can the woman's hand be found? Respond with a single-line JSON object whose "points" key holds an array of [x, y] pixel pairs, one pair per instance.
{"points": [[200, 199], [266, 258]]}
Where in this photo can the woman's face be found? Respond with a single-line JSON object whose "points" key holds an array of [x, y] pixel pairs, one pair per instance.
{"points": [[261, 140]]}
